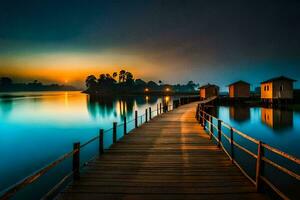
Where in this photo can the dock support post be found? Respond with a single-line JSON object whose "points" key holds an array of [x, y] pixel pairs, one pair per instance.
{"points": [[258, 166], [146, 115], [125, 126], [150, 113], [136, 119], [219, 132], [76, 160], [101, 142], [114, 132], [157, 110], [231, 145]]}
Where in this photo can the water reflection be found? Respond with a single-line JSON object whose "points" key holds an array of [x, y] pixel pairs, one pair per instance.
{"points": [[239, 114], [212, 110], [277, 119], [6, 107], [100, 107]]}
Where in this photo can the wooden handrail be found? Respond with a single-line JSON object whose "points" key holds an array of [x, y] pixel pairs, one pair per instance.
{"points": [[32, 178], [205, 117], [283, 154]]}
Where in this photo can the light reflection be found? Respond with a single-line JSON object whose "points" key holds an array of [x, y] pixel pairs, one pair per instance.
{"points": [[277, 119], [166, 99]]}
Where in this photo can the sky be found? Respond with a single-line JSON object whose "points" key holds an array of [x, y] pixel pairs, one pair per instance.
{"points": [[170, 40]]}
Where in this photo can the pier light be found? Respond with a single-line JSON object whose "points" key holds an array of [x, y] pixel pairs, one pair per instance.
{"points": [[146, 90], [167, 89]]}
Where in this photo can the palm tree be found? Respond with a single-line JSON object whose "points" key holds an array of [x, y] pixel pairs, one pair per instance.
{"points": [[91, 81], [128, 76], [122, 76], [115, 74]]}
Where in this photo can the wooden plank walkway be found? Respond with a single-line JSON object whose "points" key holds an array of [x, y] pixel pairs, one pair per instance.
{"points": [[170, 157]]}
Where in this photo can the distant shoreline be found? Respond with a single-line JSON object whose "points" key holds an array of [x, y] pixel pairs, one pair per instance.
{"points": [[127, 93]]}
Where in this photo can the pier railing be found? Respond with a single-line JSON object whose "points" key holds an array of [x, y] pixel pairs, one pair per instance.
{"points": [[213, 124], [77, 147]]}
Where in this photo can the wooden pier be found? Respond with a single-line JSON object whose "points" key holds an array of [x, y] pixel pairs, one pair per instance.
{"points": [[170, 157]]}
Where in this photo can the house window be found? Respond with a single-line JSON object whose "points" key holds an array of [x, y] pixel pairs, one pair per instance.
{"points": [[267, 88]]}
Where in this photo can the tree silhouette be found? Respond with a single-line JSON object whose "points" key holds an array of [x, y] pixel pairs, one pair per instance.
{"points": [[91, 82], [5, 82], [129, 78], [107, 84], [122, 76], [115, 74]]}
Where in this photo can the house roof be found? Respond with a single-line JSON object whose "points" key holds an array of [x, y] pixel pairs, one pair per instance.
{"points": [[240, 81], [279, 78], [208, 85]]}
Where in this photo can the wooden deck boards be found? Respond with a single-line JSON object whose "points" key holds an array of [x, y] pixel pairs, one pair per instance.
{"points": [[168, 158]]}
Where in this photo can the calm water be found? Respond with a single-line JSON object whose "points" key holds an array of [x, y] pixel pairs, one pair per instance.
{"points": [[36, 128], [276, 127]]}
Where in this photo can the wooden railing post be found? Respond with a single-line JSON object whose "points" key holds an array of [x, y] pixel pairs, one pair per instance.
{"points": [[150, 116], [76, 160], [200, 116], [160, 108], [258, 166], [136, 119], [203, 119], [146, 115], [205, 122], [157, 110], [101, 141], [114, 132], [125, 126], [231, 145], [219, 132], [211, 127], [197, 112]]}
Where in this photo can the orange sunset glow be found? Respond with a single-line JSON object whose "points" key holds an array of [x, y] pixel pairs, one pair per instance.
{"points": [[72, 68]]}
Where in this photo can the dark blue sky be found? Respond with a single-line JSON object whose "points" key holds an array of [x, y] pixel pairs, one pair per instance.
{"points": [[205, 41]]}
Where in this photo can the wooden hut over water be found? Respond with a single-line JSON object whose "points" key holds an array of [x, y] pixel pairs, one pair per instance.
{"points": [[209, 90], [277, 90], [239, 89]]}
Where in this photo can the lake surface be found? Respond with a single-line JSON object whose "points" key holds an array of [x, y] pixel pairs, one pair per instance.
{"points": [[279, 128], [36, 128]]}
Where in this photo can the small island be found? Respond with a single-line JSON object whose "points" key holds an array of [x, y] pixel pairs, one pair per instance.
{"points": [[123, 83]]}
